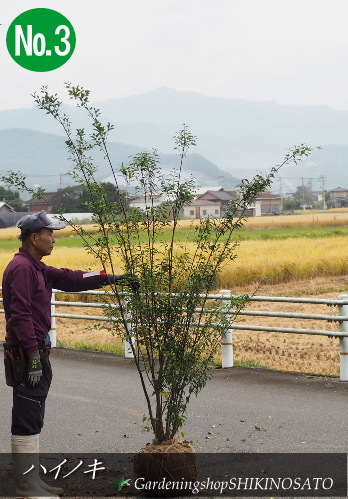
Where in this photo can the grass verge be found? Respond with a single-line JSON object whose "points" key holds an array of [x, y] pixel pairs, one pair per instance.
{"points": [[116, 348]]}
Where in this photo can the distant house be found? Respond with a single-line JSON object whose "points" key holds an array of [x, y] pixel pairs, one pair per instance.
{"points": [[339, 192], [271, 204], [141, 202], [208, 204], [317, 196], [339, 197], [8, 216], [220, 198], [202, 190], [5, 208], [202, 208], [253, 210], [213, 204], [35, 205]]}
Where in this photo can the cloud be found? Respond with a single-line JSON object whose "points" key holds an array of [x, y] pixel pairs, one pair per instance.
{"points": [[291, 52]]}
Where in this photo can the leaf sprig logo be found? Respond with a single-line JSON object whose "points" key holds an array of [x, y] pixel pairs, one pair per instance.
{"points": [[41, 40], [124, 482]]}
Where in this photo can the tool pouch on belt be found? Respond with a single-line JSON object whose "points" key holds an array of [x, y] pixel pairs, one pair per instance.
{"points": [[45, 361], [14, 364]]}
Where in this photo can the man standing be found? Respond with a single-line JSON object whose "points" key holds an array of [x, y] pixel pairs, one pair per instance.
{"points": [[27, 288]]}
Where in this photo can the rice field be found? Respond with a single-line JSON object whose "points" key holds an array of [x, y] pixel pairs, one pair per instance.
{"points": [[300, 266], [281, 261], [329, 218], [277, 261]]}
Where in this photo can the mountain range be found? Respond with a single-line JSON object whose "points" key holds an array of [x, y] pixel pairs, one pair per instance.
{"points": [[235, 138], [43, 159]]}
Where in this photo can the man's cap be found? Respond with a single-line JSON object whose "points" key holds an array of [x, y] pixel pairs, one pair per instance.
{"points": [[37, 221]]}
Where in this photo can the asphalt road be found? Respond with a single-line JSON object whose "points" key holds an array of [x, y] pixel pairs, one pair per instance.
{"points": [[96, 404]]}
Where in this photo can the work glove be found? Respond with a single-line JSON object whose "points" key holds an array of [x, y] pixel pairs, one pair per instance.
{"points": [[127, 279], [34, 368]]}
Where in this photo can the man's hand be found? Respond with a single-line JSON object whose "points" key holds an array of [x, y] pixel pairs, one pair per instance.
{"points": [[127, 279], [34, 368]]}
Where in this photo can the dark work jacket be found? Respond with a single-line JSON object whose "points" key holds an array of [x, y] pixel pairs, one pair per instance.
{"points": [[27, 289]]}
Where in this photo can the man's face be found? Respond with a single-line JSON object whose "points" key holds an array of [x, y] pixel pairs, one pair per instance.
{"points": [[43, 241]]}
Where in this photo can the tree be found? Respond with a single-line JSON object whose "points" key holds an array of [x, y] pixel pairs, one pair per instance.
{"points": [[70, 199], [11, 198], [303, 196], [290, 205], [76, 199], [176, 330], [329, 201]]}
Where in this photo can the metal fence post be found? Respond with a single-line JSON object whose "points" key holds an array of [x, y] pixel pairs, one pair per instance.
{"points": [[129, 340], [53, 331], [226, 343], [343, 310]]}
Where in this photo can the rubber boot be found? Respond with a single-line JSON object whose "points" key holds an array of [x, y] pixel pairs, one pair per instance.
{"points": [[57, 491], [24, 458]]}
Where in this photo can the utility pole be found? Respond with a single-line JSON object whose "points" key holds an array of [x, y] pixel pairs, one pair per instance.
{"points": [[322, 178], [61, 175], [281, 194], [303, 197]]}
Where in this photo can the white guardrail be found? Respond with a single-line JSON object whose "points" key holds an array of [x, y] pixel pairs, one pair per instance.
{"points": [[226, 342]]}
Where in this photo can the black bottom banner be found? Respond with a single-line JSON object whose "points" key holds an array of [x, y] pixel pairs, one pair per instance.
{"points": [[213, 475]]}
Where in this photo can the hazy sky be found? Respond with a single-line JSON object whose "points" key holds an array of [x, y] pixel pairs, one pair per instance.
{"points": [[293, 52]]}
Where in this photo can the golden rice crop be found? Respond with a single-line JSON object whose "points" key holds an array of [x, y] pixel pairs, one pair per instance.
{"points": [[290, 260], [328, 218], [279, 260], [286, 260]]}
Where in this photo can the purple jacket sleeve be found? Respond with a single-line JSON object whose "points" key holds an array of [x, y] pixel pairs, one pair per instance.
{"points": [[73, 280], [23, 282]]}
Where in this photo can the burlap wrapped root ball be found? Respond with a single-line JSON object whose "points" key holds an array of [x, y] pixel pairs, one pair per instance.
{"points": [[166, 467]]}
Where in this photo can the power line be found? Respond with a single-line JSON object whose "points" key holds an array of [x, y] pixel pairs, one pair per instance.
{"points": [[300, 178]]}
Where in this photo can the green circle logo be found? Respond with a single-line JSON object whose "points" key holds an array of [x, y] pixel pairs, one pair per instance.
{"points": [[41, 40]]}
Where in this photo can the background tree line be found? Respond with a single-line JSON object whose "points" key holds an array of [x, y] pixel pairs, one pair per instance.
{"points": [[76, 199], [73, 199], [11, 198]]}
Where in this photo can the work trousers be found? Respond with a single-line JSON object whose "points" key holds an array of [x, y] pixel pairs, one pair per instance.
{"points": [[28, 409]]}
